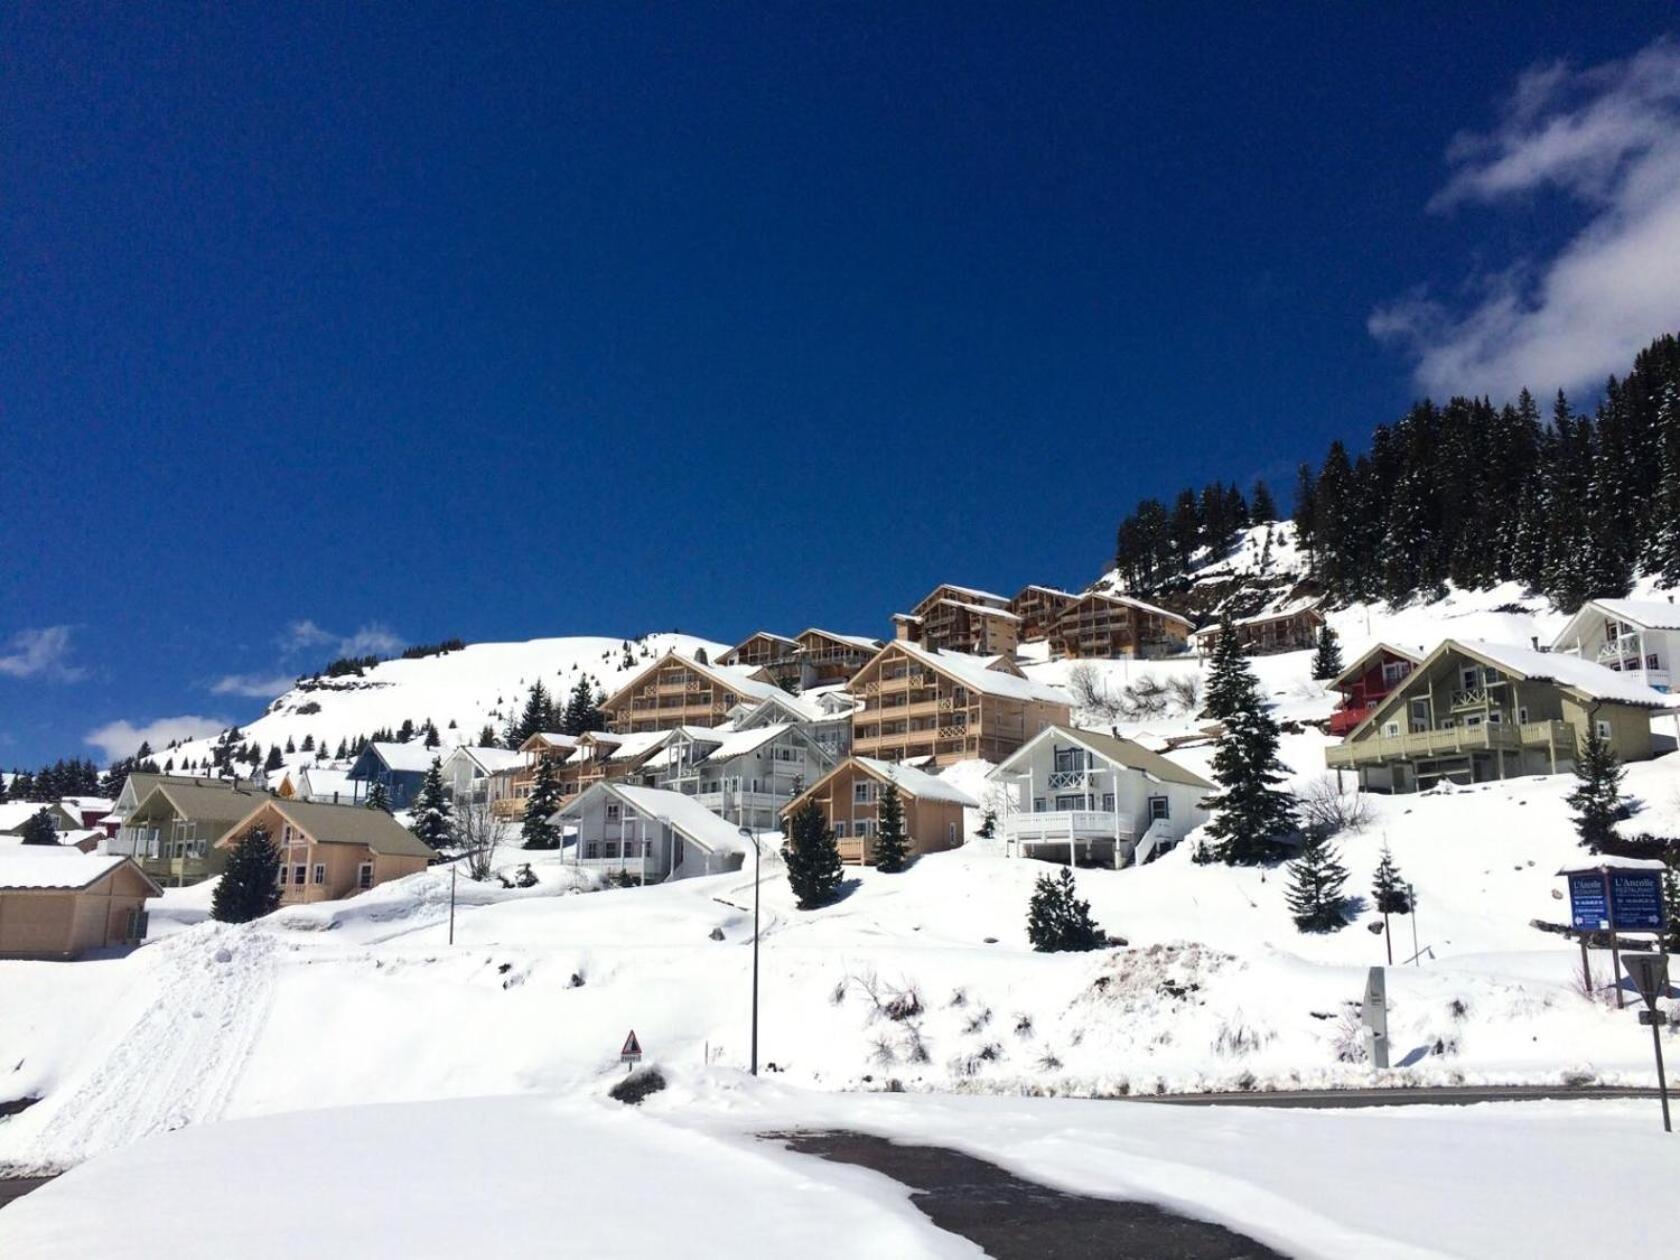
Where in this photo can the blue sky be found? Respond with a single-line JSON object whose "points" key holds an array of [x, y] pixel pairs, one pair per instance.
{"points": [[332, 330]]}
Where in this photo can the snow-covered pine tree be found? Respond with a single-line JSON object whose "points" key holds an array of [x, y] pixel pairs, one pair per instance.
{"points": [[432, 737], [378, 797], [1327, 661], [1671, 905], [535, 830], [1597, 798], [1229, 678], [988, 824], [812, 858], [1057, 920], [1250, 813], [249, 887], [486, 737], [892, 848], [1316, 878], [38, 829], [432, 821], [1663, 555]]}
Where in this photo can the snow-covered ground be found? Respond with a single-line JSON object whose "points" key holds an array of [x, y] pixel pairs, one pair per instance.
{"points": [[687, 1171]]}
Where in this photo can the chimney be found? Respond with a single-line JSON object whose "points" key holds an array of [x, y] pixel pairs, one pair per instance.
{"points": [[1534, 640]]}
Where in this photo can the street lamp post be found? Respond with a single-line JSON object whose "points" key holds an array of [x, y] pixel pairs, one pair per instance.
{"points": [[747, 834]]}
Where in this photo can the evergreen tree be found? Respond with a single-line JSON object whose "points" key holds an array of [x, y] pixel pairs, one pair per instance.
{"points": [[812, 858], [988, 824], [38, 829], [1390, 894], [1671, 906], [290, 747], [1229, 679], [308, 743], [275, 759], [1316, 878], [892, 848], [1057, 921], [250, 885], [343, 751], [1261, 508], [536, 831], [1597, 798], [432, 821], [700, 657], [3, 797], [583, 711], [1327, 661], [1251, 813], [487, 736], [23, 786], [432, 737], [378, 797]]}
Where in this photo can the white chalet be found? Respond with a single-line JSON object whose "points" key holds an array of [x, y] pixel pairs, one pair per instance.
{"points": [[1632, 636], [649, 833], [1082, 796], [468, 771], [746, 777]]}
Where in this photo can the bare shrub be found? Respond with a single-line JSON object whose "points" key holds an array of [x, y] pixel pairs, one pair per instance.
{"points": [[959, 997], [1092, 695], [1326, 810], [479, 833], [978, 1020], [882, 1053], [915, 1045], [1023, 1025], [1048, 1062], [1146, 698], [1348, 1039], [1186, 689], [1238, 1037]]}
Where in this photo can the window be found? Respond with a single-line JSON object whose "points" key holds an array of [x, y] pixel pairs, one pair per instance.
{"points": [[1069, 759], [1472, 720], [840, 829], [866, 827], [1159, 808], [951, 834], [863, 791], [1394, 671], [1651, 661], [1602, 727], [1522, 713], [1469, 676], [1108, 802], [320, 872], [298, 873], [1496, 718], [612, 811], [283, 870], [1391, 728], [1038, 804], [364, 876]]}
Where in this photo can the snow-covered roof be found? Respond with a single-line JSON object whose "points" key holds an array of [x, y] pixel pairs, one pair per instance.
{"points": [[1111, 748], [638, 744], [1128, 601], [490, 760], [13, 814], [918, 783], [86, 804], [54, 866], [762, 634], [1360, 663], [856, 640], [1047, 590], [1587, 677], [1277, 614], [320, 783], [412, 757], [985, 610], [738, 743], [1647, 614], [694, 821], [970, 590], [973, 673]]}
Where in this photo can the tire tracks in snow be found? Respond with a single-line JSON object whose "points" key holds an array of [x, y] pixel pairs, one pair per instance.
{"points": [[179, 1063]]}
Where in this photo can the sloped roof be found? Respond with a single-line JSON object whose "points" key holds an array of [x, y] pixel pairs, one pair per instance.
{"points": [[53, 866], [1126, 601], [1585, 677], [490, 760], [985, 610], [13, 814], [686, 816], [974, 672], [918, 783], [327, 823], [736, 678], [1122, 752], [410, 758], [1649, 614], [761, 634], [216, 806], [1362, 662], [854, 640]]}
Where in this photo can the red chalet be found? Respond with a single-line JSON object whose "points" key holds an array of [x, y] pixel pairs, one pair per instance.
{"points": [[1364, 683]]}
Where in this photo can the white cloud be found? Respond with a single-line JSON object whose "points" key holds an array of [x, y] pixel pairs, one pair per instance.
{"points": [[1607, 137], [42, 653], [371, 639], [122, 739], [254, 685]]}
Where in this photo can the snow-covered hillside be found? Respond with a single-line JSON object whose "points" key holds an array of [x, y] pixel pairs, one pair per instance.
{"points": [[460, 691]]}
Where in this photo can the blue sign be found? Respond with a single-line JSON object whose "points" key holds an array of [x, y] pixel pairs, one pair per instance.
{"points": [[1636, 896]]}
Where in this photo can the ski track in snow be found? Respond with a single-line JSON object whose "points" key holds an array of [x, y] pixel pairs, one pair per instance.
{"points": [[181, 1060]]}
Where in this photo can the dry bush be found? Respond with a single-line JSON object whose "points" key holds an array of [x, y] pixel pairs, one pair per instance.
{"points": [[1326, 810]]}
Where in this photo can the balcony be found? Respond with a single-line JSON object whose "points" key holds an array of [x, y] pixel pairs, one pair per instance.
{"points": [[1558, 738], [1065, 824]]}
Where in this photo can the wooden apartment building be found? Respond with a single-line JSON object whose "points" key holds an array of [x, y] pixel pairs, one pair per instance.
{"points": [[1291, 630], [1038, 607], [947, 706], [675, 691], [961, 619], [1098, 625]]}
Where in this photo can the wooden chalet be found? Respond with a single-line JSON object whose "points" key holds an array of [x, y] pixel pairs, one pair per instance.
{"points": [[826, 658], [1291, 630], [961, 619], [947, 706], [849, 797], [1364, 684]]}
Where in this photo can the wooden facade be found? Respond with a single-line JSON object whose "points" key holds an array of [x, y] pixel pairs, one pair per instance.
{"points": [[1293, 631], [849, 797], [1100, 626], [1364, 684], [675, 691], [332, 851], [64, 905], [947, 706], [827, 658], [1038, 607], [961, 619]]}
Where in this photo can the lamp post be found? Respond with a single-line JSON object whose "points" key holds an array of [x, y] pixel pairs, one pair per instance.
{"points": [[747, 834]]}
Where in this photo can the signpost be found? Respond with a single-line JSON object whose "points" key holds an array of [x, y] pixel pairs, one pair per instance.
{"points": [[1374, 1014], [631, 1054], [1650, 974], [1615, 897]]}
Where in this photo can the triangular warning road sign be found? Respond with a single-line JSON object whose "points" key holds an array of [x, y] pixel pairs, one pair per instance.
{"points": [[632, 1047]]}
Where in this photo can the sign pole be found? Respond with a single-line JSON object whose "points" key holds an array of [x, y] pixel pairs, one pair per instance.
{"points": [[1615, 944], [1662, 1081]]}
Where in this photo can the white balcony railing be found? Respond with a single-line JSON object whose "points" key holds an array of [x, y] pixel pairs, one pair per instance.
{"points": [[1061, 824]]}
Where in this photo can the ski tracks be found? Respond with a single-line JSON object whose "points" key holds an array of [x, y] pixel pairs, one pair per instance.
{"points": [[180, 1061]]}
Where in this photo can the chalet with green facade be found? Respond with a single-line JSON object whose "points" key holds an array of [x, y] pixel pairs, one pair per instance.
{"points": [[1471, 712], [173, 830]]}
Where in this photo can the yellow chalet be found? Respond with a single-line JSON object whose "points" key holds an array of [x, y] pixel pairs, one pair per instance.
{"points": [[332, 851]]}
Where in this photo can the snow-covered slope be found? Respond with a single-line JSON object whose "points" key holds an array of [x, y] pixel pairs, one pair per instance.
{"points": [[460, 691]]}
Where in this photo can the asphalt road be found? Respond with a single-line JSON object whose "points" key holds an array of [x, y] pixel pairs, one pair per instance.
{"points": [[16, 1187], [1011, 1218]]}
